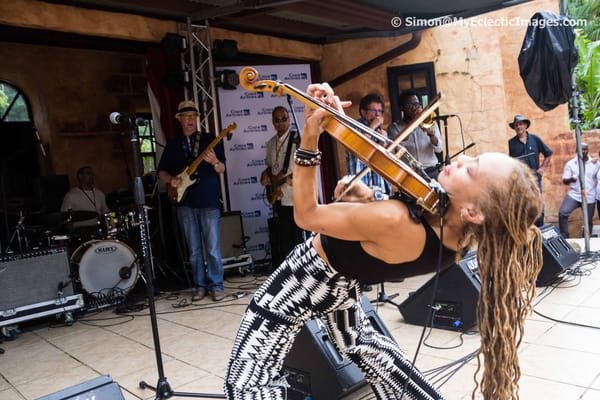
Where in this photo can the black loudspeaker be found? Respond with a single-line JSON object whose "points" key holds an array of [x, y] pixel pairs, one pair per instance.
{"points": [[455, 302], [558, 255], [316, 370], [33, 277], [101, 387]]}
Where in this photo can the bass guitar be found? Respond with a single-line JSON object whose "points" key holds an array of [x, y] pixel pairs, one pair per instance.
{"points": [[274, 191], [176, 194]]}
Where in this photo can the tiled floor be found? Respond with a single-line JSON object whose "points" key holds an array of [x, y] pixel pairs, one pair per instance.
{"points": [[560, 355]]}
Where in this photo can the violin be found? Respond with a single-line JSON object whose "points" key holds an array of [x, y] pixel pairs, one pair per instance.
{"points": [[392, 163]]}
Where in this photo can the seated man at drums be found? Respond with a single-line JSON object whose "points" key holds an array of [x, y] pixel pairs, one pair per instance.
{"points": [[85, 198]]}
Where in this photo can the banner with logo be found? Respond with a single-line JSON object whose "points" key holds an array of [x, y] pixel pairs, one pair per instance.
{"points": [[246, 151]]}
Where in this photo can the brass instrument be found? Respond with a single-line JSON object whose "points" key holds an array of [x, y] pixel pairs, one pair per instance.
{"points": [[428, 122]]}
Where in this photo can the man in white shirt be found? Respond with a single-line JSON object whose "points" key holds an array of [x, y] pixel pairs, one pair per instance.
{"points": [[423, 142], [85, 197], [277, 178], [573, 198]]}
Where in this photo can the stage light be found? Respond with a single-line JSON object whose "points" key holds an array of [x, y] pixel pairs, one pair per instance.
{"points": [[228, 79], [173, 43]]}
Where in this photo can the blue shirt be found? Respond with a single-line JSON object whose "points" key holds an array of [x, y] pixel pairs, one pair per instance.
{"points": [[354, 166], [205, 192], [528, 152]]}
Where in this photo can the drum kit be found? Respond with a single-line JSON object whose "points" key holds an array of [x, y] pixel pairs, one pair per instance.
{"points": [[102, 262]]}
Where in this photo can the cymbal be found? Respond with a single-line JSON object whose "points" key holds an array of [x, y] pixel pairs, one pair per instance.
{"points": [[56, 218]]}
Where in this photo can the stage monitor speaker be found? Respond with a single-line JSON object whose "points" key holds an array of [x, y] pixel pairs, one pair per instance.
{"points": [[101, 388], [34, 276], [232, 234], [455, 302], [316, 370], [558, 255]]}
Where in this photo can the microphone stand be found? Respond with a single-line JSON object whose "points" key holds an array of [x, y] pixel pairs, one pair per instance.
{"points": [[289, 100], [467, 147], [445, 119], [162, 389]]}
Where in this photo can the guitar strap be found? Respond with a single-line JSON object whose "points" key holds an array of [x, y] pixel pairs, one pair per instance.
{"points": [[190, 153], [288, 151]]}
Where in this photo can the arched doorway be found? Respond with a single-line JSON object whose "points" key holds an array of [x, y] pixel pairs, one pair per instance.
{"points": [[19, 165]]}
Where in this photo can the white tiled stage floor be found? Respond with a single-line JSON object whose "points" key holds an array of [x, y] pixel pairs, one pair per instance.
{"points": [[560, 355]]}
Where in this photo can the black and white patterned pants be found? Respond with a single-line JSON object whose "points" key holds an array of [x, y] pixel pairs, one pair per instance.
{"points": [[302, 288]]}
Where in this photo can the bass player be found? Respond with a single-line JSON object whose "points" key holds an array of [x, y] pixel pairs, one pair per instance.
{"points": [[277, 178]]}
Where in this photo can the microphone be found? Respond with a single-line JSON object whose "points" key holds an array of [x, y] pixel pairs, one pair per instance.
{"points": [[118, 118], [444, 117]]}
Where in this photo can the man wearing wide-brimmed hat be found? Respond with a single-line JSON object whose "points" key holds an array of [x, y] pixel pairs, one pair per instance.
{"points": [[199, 211], [527, 147]]}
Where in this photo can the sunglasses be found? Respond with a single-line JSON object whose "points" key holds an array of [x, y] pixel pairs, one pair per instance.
{"points": [[188, 116], [411, 106], [282, 119]]}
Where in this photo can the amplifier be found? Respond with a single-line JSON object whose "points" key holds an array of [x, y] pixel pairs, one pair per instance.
{"points": [[101, 388], [233, 243], [34, 276], [59, 305]]}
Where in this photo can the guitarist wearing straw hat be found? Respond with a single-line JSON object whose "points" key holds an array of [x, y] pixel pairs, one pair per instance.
{"points": [[199, 211], [277, 178]]}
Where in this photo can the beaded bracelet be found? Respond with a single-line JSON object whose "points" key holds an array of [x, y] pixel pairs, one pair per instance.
{"points": [[307, 158]]}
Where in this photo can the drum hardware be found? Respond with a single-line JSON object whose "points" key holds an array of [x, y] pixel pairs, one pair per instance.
{"points": [[58, 219], [19, 235]]}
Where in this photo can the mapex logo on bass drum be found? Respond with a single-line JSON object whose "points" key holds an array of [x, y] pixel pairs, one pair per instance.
{"points": [[105, 249]]}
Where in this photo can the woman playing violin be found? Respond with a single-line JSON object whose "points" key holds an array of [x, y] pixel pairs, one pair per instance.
{"points": [[493, 202]]}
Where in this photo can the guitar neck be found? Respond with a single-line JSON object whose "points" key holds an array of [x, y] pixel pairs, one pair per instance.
{"points": [[193, 166], [224, 133]]}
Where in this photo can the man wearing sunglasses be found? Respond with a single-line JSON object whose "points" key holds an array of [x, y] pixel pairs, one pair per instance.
{"points": [[277, 179]]}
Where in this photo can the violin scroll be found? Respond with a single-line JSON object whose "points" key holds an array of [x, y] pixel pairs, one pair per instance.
{"points": [[248, 77]]}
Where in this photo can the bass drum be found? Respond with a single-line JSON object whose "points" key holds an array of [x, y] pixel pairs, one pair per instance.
{"points": [[106, 267]]}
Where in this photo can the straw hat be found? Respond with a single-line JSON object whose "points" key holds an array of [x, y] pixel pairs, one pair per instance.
{"points": [[186, 106]]}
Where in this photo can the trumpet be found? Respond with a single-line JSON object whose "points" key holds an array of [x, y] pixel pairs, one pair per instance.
{"points": [[428, 122]]}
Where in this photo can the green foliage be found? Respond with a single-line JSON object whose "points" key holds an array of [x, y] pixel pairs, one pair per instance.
{"points": [[3, 100], [587, 72], [587, 78], [588, 10], [18, 110]]}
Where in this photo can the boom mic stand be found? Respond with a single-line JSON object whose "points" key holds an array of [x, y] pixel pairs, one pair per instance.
{"points": [[445, 119], [162, 389]]}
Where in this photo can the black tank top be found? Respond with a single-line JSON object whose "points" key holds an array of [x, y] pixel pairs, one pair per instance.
{"points": [[349, 259]]}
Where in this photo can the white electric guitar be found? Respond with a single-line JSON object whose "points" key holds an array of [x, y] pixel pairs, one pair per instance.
{"points": [[176, 194]]}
